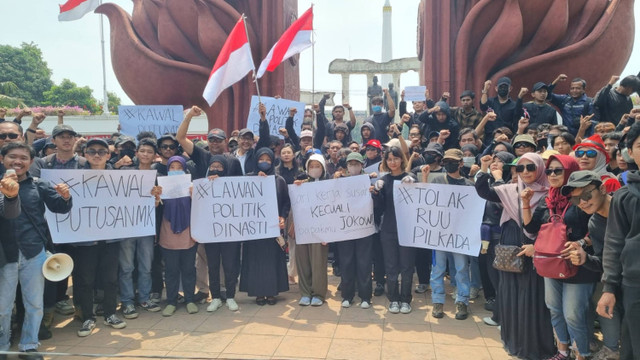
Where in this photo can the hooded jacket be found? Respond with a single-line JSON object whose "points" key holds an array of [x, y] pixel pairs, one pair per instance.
{"points": [[319, 158], [622, 241], [432, 124], [371, 128]]}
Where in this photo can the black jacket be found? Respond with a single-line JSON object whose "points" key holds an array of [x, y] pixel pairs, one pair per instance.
{"points": [[610, 105], [250, 161], [9, 209]]}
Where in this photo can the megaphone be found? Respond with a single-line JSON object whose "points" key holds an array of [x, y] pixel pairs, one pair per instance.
{"points": [[57, 267]]}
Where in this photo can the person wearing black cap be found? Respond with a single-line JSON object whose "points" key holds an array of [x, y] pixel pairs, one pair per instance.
{"points": [[538, 111], [501, 105], [466, 115], [610, 104], [126, 150], [246, 152]]}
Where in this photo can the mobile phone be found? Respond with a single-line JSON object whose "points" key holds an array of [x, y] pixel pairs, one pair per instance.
{"points": [[10, 172]]}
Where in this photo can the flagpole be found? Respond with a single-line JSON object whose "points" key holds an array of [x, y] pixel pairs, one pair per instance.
{"points": [[244, 21], [105, 109], [313, 67]]}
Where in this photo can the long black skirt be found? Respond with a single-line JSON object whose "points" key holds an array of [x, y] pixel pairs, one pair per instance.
{"points": [[264, 268]]}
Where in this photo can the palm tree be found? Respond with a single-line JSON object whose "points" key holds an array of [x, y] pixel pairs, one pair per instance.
{"points": [[6, 89]]}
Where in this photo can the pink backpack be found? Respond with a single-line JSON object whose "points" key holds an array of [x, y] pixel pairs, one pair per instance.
{"points": [[549, 244]]}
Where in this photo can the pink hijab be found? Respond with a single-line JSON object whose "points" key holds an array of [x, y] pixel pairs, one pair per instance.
{"points": [[510, 193]]}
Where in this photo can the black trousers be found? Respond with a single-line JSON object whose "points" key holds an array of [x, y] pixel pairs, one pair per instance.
{"points": [[378, 260], [423, 265], [356, 257], [630, 339], [229, 252], [87, 259], [180, 265], [398, 260]]}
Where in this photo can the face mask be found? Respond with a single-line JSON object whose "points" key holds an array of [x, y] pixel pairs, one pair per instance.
{"points": [[376, 109], [175, 172], [468, 161], [354, 169], [451, 167], [264, 166], [315, 173], [216, 172], [503, 91], [429, 159]]}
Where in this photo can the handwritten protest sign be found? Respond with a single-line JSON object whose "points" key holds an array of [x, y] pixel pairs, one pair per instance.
{"points": [[159, 119], [234, 209], [438, 216], [277, 114], [175, 186], [415, 93], [332, 210], [106, 205]]}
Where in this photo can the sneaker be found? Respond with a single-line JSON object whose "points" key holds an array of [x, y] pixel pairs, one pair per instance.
{"points": [[346, 303], [454, 293], [63, 307], [405, 308], [168, 310], [461, 311], [394, 307], [473, 293], [316, 301], [214, 305], [438, 311], [304, 301], [379, 290], [489, 321], [87, 328], [421, 288], [150, 306], [115, 322], [490, 304], [559, 356], [28, 355], [155, 297], [365, 304], [200, 297], [192, 308], [606, 354], [233, 305], [129, 311]]}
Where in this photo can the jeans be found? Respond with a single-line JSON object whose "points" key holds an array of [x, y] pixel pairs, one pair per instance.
{"points": [[27, 272], [132, 249], [180, 265], [474, 272], [438, 270], [569, 307], [452, 269], [630, 330]]}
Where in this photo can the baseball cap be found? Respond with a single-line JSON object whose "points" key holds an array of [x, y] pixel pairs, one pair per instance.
{"points": [[579, 179], [123, 139], [453, 154], [98, 141], [306, 133], [355, 156], [504, 80], [243, 132], [539, 85], [374, 143], [216, 134], [59, 129]]}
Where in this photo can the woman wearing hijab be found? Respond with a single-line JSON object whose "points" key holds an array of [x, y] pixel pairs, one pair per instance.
{"points": [[289, 170], [567, 299], [524, 318], [264, 264], [178, 247], [592, 155], [227, 252]]}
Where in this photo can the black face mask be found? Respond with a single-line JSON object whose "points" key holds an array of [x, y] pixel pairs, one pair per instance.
{"points": [[543, 143], [429, 159], [451, 167], [216, 172], [503, 91], [128, 152]]}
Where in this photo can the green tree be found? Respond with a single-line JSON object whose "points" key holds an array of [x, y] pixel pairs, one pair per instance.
{"points": [[69, 93], [114, 102], [7, 89], [24, 67]]}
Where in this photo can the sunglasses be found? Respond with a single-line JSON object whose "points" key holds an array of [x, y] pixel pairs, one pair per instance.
{"points": [[586, 196], [556, 171], [590, 153], [521, 145], [529, 167], [171, 147], [11, 136], [96, 152]]}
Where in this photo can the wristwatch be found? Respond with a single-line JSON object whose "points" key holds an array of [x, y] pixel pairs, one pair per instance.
{"points": [[581, 242]]}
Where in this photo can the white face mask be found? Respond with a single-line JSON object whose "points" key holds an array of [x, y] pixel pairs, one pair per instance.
{"points": [[315, 173], [354, 169]]}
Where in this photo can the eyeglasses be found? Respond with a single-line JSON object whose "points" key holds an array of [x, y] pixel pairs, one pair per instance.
{"points": [[371, 149], [529, 167], [215, 140], [556, 171], [521, 145], [586, 196], [11, 136], [414, 135], [590, 153], [96, 152], [168, 147]]}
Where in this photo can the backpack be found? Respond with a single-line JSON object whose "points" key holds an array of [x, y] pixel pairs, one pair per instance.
{"points": [[549, 244]]}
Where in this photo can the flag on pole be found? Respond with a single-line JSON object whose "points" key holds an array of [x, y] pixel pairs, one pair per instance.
{"points": [[233, 63], [75, 9], [295, 39]]}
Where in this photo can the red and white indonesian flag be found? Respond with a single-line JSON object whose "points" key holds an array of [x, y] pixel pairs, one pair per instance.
{"points": [[233, 63], [295, 39], [75, 9]]}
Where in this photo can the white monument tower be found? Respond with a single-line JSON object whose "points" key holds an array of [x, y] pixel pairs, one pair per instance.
{"points": [[386, 42]]}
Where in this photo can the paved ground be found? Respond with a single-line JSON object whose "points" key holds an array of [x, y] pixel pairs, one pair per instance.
{"points": [[287, 330]]}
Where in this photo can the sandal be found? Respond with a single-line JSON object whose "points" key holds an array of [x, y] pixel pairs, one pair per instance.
{"points": [[261, 300]]}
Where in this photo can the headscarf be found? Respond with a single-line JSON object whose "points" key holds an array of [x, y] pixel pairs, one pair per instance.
{"points": [[259, 153], [556, 202], [222, 160], [510, 193], [595, 142], [178, 211], [470, 147], [507, 159]]}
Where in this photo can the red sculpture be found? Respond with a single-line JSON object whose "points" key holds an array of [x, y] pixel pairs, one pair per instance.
{"points": [[164, 52], [462, 43]]}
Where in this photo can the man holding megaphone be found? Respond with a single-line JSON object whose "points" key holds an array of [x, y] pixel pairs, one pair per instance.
{"points": [[23, 241]]}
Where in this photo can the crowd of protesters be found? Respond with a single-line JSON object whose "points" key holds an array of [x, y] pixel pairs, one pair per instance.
{"points": [[567, 159]]}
